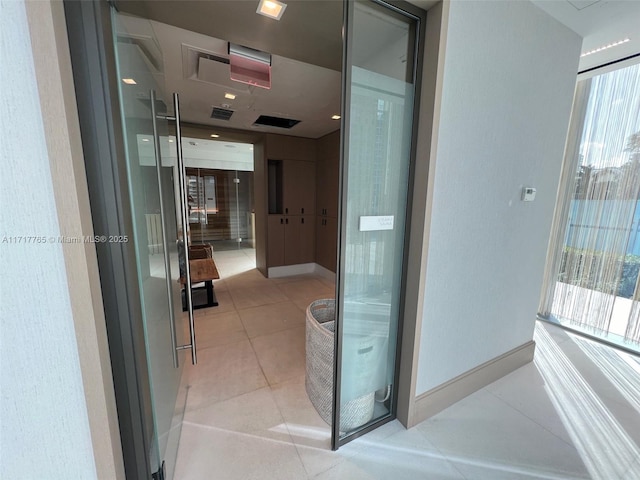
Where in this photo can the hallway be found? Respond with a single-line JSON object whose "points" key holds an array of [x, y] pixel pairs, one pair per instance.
{"points": [[572, 413]]}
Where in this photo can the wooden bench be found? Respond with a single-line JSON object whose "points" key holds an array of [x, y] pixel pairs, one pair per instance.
{"points": [[202, 270]]}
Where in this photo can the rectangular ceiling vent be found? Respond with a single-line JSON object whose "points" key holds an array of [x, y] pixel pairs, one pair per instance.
{"points": [[221, 113], [267, 121]]}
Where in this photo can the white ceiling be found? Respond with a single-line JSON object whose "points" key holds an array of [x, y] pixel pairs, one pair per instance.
{"points": [[599, 22]]}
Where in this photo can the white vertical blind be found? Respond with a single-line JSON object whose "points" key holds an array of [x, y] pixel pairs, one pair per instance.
{"points": [[598, 254]]}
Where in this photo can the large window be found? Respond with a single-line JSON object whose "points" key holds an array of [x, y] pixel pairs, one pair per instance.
{"points": [[593, 272]]}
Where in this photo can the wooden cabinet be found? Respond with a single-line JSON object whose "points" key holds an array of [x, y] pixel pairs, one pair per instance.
{"points": [[299, 187], [326, 242], [275, 240], [328, 175], [327, 191], [291, 240], [291, 186]]}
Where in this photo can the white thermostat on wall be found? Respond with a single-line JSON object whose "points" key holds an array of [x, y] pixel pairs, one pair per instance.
{"points": [[528, 194]]}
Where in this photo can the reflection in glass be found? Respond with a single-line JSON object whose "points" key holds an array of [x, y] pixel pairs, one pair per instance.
{"points": [[222, 211], [153, 235], [378, 161]]}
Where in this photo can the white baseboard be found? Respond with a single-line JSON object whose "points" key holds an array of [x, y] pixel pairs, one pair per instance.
{"points": [[289, 270], [325, 273], [433, 401], [301, 269]]}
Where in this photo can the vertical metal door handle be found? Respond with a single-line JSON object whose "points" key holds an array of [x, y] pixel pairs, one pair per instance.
{"points": [[165, 240], [184, 202]]}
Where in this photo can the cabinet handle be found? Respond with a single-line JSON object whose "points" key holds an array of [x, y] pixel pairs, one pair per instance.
{"points": [[302, 210], [281, 220], [287, 221], [286, 210], [302, 220]]}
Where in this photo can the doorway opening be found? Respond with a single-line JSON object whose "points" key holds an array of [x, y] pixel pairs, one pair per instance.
{"points": [[250, 381]]}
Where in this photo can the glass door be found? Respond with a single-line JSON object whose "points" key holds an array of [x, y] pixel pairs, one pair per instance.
{"points": [[221, 207], [379, 95], [154, 180]]}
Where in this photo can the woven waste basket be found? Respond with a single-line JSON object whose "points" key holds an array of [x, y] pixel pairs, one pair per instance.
{"points": [[320, 327]]}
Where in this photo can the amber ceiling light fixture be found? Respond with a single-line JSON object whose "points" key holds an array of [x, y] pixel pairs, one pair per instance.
{"points": [[271, 8]]}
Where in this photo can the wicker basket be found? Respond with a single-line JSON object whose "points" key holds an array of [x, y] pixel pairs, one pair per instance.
{"points": [[319, 369]]}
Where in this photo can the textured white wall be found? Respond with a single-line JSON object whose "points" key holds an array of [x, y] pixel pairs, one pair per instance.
{"points": [[45, 428], [509, 77]]}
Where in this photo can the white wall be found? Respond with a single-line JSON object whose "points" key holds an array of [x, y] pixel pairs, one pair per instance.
{"points": [[507, 88], [45, 425]]}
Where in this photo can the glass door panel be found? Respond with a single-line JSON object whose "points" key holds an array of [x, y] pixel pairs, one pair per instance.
{"points": [[222, 208], [151, 187], [378, 129]]}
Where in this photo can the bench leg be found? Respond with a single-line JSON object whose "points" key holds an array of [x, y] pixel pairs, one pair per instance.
{"points": [[212, 301]]}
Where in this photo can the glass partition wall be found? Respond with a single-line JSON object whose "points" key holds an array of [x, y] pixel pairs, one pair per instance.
{"points": [[380, 85], [221, 210], [592, 273], [151, 176]]}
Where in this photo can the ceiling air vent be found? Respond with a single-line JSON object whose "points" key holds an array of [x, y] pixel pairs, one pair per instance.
{"points": [[267, 121], [221, 113]]}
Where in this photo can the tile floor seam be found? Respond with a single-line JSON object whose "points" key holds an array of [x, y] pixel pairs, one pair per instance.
{"points": [[453, 463], [259, 363], [258, 306], [443, 454], [286, 425], [238, 434], [513, 407]]}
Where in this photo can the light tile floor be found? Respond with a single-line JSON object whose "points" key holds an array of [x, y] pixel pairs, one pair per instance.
{"points": [[574, 413]]}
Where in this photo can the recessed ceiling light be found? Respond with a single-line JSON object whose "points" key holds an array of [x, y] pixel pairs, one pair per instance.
{"points": [[230, 96], [145, 139], [604, 47], [214, 135], [271, 8], [335, 117], [129, 81]]}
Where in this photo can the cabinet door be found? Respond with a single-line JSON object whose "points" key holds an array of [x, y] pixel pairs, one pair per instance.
{"points": [[275, 240], [322, 248], [326, 242], [292, 240], [327, 175], [307, 238], [299, 193], [331, 186], [331, 238]]}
